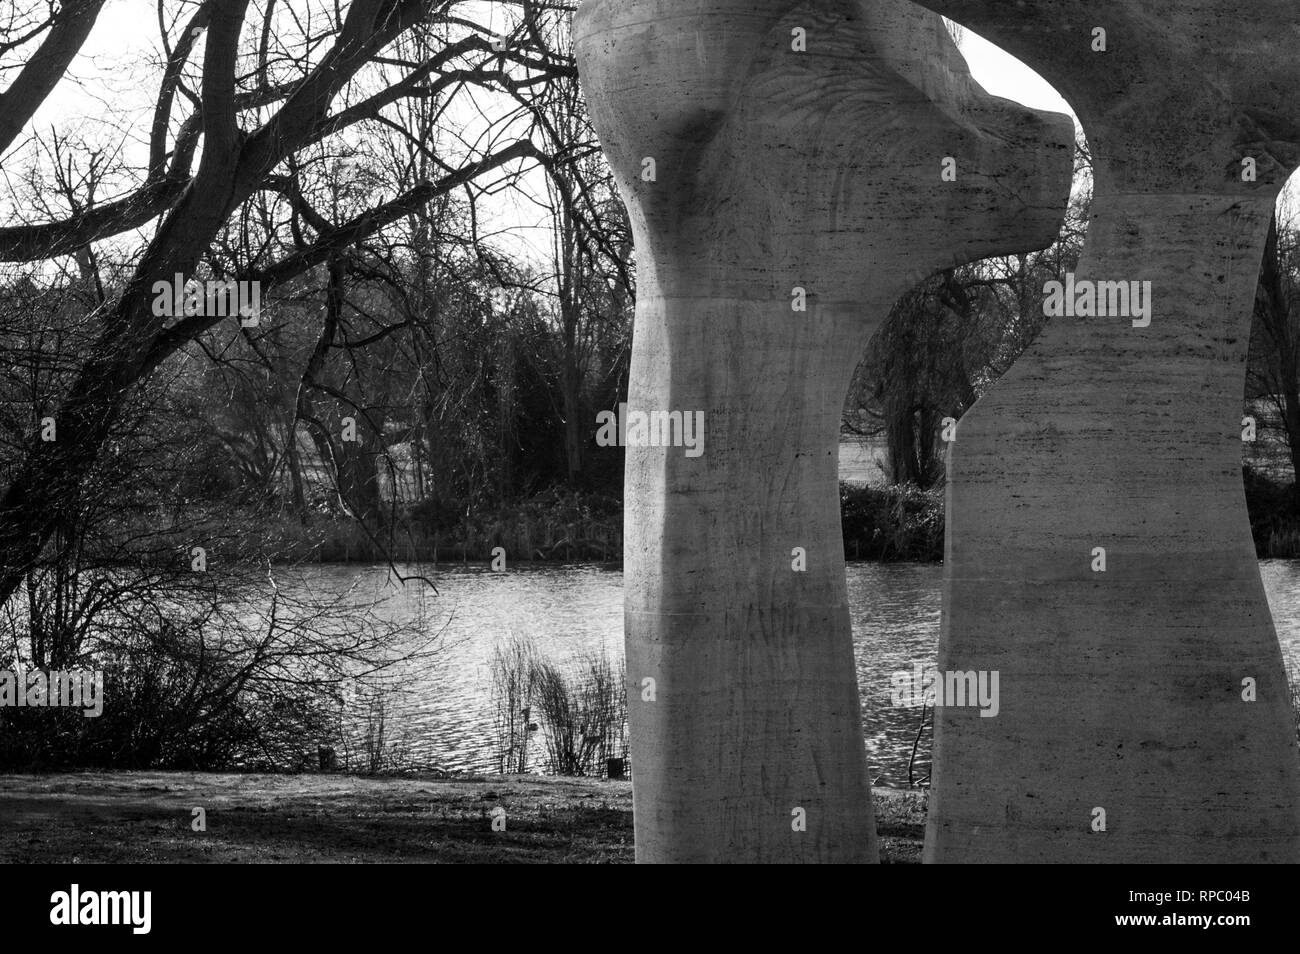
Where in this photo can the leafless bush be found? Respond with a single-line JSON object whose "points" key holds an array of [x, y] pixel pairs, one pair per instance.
{"points": [[1292, 665], [584, 717], [365, 733], [514, 667]]}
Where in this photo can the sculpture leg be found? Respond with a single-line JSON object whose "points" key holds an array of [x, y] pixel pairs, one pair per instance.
{"points": [[782, 166], [748, 743], [1121, 688], [1099, 555]]}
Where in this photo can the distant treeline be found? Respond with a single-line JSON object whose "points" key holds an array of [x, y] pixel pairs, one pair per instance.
{"points": [[898, 523]]}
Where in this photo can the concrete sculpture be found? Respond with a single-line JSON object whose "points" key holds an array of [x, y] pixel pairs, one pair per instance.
{"points": [[790, 170], [1099, 554]]}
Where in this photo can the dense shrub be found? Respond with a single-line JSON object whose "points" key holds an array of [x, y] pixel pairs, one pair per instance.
{"points": [[1273, 522], [901, 523]]}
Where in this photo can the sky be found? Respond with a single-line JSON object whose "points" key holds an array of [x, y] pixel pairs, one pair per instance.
{"points": [[1003, 75], [128, 29]]}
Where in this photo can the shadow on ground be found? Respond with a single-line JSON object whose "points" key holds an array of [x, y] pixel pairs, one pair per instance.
{"points": [[104, 817]]}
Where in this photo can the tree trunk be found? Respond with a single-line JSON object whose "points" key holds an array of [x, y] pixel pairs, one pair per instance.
{"points": [[1273, 311], [1291, 397], [45, 66], [575, 425], [50, 477], [358, 474], [293, 463]]}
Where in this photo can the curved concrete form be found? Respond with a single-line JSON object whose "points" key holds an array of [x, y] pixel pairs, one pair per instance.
{"points": [[1099, 555], [790, 170]]}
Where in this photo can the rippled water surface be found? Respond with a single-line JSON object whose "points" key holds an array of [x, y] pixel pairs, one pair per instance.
{"points": [[444, 717]]}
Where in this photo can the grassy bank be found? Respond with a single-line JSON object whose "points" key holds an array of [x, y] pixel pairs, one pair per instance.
{"points": [[102, 817], [552, 526]]}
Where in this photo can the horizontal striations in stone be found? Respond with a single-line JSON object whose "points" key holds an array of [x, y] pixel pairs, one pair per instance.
{"points": [[781, 201], [1121, 433]]}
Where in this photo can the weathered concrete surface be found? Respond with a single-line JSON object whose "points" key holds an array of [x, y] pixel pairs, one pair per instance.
{"points": [[776, 169], [1123, 690]]}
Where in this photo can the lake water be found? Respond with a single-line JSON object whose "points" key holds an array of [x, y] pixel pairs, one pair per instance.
{"points": [[864, 461], [442, 715]]}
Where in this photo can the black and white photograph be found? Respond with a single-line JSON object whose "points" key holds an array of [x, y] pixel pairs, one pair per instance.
{"points": [[650, 431]]}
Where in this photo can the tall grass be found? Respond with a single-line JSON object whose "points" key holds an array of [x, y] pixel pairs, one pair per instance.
{"points": [[584, 716], [1292, 665], [364, 735], [514, 674], [581, 710]]}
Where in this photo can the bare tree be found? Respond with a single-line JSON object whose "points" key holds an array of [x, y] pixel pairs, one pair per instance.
{"points": [[264, 93], [1274, 368], [58, 33]]}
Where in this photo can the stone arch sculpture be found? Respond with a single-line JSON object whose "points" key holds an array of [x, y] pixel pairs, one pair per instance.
{"points": [[783, 165], [1128, 689]]}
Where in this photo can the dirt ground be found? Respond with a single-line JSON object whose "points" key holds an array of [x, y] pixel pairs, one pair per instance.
{"points": [[91, 817]]}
